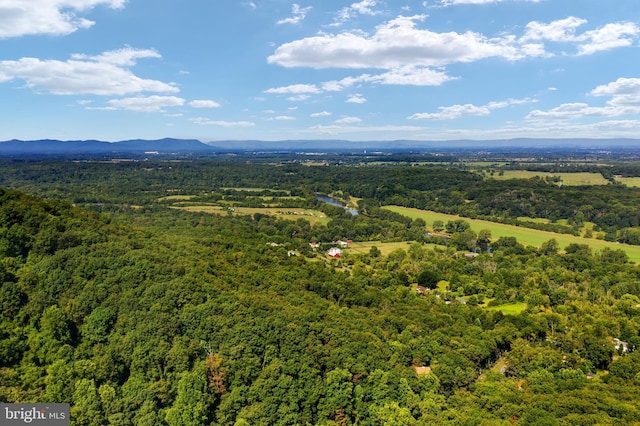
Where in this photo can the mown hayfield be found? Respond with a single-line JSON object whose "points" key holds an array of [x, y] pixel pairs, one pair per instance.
{"points": [[533, 219], [177, 198], [509, 309], [578, 179], [568, 179], [518, 174], [527, 236], [385, 248], [313, 216], [629, 181], [233, 188]]}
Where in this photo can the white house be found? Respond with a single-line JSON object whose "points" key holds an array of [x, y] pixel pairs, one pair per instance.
{"points": [[334, 252]]}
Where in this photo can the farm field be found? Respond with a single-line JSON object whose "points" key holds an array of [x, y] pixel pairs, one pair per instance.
{"points": [[385, 248], [509, 309], [177, 198], [253, 189], [525, 236], [313, 216], [629, 181], [568, 179]]}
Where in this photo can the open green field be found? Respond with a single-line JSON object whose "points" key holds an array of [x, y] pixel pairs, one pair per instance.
{"points": [[385, 248], [577, 179], [177, 198], [568, 179], [254, 189], [313, 216], [485, 163], [509, 309], [527, 236], [533, 219], [629, 181]]}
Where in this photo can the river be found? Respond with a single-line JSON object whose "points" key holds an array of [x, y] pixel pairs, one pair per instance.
{"points": [[334, 202]]}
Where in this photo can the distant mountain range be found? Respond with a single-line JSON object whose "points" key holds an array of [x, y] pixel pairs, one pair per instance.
{"points": [[101, 148], [169, 146]]}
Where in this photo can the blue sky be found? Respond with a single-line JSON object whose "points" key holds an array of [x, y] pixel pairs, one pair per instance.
{"points": [[274, 69]]}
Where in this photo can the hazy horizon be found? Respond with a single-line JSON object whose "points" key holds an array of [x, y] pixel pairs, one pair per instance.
{"points": [[282, 70]]}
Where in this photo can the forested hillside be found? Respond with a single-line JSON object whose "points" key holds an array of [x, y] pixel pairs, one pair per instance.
{"points": [[138, 312]]}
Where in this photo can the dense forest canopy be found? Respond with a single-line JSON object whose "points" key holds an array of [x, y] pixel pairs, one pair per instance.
{"points": [[180, 293]]}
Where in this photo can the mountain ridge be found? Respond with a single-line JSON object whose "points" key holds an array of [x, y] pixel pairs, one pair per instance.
{"points": [[168, 146]]}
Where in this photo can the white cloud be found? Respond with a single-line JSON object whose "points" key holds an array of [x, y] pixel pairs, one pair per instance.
{"points": [[395, 44], [220, 123], [574, 110], [452, 112], [411, 76], [283, 118], [294, 88], [542, 129], [455, 2], [53, 17], [298, 98], [399, 44], [624, 99], [356, 99], [364, 7], [145, 103], [321, 114], [299, 13], [348, 120], [337, 129], [456, 111], [563, 30], [624, 92], [105, 74], [610, 36], [121, 57], [204, 104], [339, 85]]}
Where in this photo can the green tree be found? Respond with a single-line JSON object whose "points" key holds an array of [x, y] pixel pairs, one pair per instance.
{"points": [[338, 401], [191, 407], [484, 239], [438, 226], [458, 225], [98, 324], [87, 408], [428, 279]]}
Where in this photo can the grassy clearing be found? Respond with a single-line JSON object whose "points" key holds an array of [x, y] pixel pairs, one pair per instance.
{"points": [[231, 188], [519, 174], [527, 236], [485, 163], [385, 248], [533, 219], [313, 216], [509, 309], [177, 198], [568, 179], [577, 179], [443, 286], [629, 181]]}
